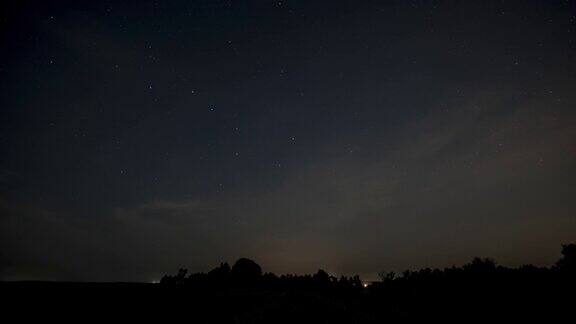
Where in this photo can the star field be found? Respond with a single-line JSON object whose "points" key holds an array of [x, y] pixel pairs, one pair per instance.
{"points": [[138, 137]]}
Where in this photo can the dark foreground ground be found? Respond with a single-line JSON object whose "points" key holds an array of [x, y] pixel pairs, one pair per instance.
{"points": [[551, 299], [479, 291]]}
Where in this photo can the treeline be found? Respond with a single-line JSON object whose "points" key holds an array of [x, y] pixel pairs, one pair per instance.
{"points": [[480, 289], [247, 273]]}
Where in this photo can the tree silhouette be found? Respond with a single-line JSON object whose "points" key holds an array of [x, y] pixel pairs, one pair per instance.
{"points": [[568, 260], [322, 276], [479, 265], [220, 273], [246, 270]]}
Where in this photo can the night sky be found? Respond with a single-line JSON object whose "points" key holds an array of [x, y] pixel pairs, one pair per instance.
{"points": [[137, 137]]}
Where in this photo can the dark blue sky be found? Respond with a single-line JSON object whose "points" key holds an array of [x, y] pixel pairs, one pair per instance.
{"points": [[140, 136]]}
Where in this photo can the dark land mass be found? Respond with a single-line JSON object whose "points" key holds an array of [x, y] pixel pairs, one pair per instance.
{"points": [[479, 290]]}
